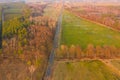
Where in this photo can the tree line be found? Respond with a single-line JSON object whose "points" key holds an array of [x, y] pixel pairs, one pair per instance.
{"points": [[92, 52]]}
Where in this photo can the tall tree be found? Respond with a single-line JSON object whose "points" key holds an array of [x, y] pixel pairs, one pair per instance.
{"points": [[72, 51], [64, 50], [107, 52], [78, 52], [99, 51], [90, 52]]}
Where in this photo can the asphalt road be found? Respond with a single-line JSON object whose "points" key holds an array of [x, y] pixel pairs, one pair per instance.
{"points": [[1, 25], [55, 45]]}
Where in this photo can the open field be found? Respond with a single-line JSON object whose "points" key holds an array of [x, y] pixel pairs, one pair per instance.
{"points": [[116, 63], [81, 32], [12, 10], [83, 70]]}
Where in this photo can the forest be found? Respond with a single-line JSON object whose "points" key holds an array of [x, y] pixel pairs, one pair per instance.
{"points": [[27, 39]]}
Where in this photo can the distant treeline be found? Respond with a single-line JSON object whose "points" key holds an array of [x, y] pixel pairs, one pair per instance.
{"points": [[110, 19]]}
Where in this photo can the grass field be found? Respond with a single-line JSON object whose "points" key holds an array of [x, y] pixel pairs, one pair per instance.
{"points": [[116, 63], [9, 16], [83, 70], [12, 10], [76, 31]]}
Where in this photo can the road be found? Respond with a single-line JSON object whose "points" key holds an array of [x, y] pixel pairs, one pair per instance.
{"points": [[55, 45], [2, 20], [2, 15]]}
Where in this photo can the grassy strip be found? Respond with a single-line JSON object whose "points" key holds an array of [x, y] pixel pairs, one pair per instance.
{"points": [[83, 70]]}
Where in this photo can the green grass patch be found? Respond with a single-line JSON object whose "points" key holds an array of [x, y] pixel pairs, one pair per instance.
{"points": [[12, 10], [83, 70], [76, 31]]}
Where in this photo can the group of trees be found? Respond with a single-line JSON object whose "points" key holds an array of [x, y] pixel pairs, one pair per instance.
{"points": [[76, 52], [37, 9], [44, 21], [14, 33], [29, 39], [21, 34], [12, 27]]}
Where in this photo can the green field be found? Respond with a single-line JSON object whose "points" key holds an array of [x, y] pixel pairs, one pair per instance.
{"points": [[76, 31], [83, 70], [9, 16], [116, 63], [12, 10]]}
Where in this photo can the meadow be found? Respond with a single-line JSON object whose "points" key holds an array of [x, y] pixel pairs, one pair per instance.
{"points": [[116, 63], [83, 70], [78, 31], [12, 10]]}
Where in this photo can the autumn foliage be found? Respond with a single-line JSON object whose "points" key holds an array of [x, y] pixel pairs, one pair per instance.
{"points": [[27, 42], [92, 52]]}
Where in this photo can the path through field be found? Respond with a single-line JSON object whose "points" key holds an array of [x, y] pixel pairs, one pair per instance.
{"points": [[108, 63]]}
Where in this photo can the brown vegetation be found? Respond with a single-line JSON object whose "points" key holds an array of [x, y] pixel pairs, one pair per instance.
{"points": [[32, 46], [92, 52], [26, 48]]}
